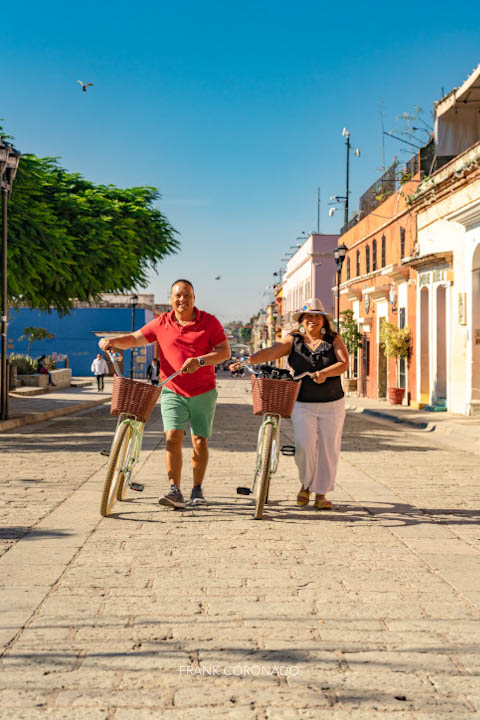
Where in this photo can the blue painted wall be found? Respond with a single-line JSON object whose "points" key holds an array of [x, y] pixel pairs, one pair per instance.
{"points": [[74, 333]]}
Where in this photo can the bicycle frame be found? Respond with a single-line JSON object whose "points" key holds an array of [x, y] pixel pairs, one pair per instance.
{"points": [[275, 420], [136, 439]]}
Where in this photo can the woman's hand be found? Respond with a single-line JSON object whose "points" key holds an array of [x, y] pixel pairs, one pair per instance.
{"points": [[319, 376], [235, 366]]}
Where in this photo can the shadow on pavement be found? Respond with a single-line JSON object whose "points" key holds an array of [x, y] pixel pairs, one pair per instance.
{"points": [[18, 532]]}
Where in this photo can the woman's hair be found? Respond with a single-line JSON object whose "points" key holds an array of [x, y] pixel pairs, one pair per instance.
{"points": [[327, 324]]}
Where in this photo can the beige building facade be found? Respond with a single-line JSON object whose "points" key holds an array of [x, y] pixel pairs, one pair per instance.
{"points": [[448, 285]]}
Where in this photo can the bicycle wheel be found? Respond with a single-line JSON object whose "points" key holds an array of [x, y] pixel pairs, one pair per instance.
{"points": [[114, 468], [264, 478], [122, 484]]}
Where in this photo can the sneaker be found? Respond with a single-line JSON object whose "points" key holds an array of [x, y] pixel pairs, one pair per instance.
{"points": [[173, 498], [197, 498]]}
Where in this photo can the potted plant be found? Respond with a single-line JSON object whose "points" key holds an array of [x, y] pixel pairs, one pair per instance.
{"points": [[352, 338], [397, 345]]}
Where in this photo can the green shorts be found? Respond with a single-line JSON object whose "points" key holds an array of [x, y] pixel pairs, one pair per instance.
{"points": [[199, 410]]}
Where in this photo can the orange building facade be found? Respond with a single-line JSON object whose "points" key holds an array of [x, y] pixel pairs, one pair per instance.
{"points": [[378, 285]]}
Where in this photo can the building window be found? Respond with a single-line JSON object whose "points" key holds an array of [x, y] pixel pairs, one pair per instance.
{"points": [[358, 262], [348, 268], [374, 255], [402, 242], [367, 258], [384, 251], [366, 359]]}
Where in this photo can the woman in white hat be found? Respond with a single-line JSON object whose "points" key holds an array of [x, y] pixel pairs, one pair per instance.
{"points": [[319, 412]]}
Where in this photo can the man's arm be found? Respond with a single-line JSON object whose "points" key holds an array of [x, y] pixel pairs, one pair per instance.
{"points": [[220, 353], [124, 342]]}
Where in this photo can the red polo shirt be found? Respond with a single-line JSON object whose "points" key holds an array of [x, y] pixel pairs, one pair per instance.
{"points": [[179, 342]]}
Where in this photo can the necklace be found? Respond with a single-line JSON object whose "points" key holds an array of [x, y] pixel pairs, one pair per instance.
{"points": [[313, 343]]}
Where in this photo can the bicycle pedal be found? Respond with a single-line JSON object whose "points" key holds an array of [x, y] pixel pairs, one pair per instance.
{"points": [[243, 491], [106, 453], [288, 450], [136, 486]]}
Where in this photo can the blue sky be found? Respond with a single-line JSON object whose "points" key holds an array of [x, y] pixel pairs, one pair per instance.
{"points": [[233, 111]]}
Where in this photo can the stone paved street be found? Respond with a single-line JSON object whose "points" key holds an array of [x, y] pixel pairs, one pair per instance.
{"points": [[367, 611]]}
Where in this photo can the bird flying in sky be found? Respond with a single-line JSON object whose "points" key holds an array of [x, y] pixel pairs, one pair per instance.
{"points": [[84, 85], [218, 277]]}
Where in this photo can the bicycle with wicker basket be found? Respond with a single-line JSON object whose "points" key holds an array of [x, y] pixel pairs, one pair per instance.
{"points": [[132, 402], [274, 394]]}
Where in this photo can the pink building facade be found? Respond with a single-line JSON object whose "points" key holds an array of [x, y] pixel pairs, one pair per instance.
{"points": [[310, 272]]}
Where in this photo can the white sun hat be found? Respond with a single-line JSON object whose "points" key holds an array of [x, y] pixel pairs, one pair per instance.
{"points": [[314, 306]]}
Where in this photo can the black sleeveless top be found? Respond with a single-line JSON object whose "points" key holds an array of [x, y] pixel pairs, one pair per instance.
{"points": [[302, 359]]}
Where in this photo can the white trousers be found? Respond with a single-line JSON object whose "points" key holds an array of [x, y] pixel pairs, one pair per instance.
{"points": [[318, 436]]}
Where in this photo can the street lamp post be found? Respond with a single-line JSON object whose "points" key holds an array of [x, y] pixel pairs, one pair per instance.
{"points": [[345, 198], [339, 255], [134, 305], [9, 159]]}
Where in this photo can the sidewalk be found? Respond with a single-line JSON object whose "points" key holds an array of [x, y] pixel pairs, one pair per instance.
{"points": [[458, 431], [37, 408]]}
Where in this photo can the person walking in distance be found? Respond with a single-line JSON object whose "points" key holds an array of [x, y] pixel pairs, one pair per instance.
{"points": [[99, 368], [319, 413], [153, 371], [193, 340]]}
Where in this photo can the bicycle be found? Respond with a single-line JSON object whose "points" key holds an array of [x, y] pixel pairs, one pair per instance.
{"points": [[133, 402], [276, 401]]}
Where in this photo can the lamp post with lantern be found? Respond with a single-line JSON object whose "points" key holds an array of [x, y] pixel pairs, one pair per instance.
{"points": [[134, 300], [9, 160]]}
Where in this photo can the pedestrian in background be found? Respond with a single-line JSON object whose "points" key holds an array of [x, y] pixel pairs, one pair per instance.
{"points": [[99, 369], [153, 371], [319, 413], [42, 368]]}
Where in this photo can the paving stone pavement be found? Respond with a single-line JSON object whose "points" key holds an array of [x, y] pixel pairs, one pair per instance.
{"points": [[370, 610]]}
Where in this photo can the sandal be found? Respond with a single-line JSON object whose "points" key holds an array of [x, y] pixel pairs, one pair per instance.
{"points": [[321, 503], [303, 497]]}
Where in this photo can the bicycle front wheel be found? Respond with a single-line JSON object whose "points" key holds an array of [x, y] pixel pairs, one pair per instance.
{"points": [[133, 447], [114, 477], [264, 477]]}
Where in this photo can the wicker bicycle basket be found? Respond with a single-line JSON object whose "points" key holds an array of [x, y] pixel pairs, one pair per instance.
{"points": [[274, 396], [133, 397]]}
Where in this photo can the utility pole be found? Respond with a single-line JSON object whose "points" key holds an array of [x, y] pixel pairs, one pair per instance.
{"points": [[318, 211]]}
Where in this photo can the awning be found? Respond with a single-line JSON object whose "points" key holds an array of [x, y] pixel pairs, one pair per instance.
{"points": [[457, 118]]}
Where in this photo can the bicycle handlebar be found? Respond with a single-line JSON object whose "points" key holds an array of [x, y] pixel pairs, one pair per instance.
{"points": [[113, 357], [243, 363]]}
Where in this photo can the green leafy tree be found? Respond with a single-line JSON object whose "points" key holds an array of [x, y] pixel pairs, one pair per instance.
{"points": [[33, 334], [71, 239]]}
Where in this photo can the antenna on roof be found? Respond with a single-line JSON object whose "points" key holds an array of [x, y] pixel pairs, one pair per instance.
{"points": [[383, 135], [318, 211]]}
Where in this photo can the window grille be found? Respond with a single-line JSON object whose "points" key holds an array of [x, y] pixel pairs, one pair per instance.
{"points": [[374, 255]]}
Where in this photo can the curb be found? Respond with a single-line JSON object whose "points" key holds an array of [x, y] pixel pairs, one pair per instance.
{"points": [[48, 414], [415, 424]]}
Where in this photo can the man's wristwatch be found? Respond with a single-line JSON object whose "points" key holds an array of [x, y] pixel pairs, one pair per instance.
{"points": [[201, 361]]}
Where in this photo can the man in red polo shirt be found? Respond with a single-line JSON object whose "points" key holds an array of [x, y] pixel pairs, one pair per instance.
{"points": [[195, 341]]}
